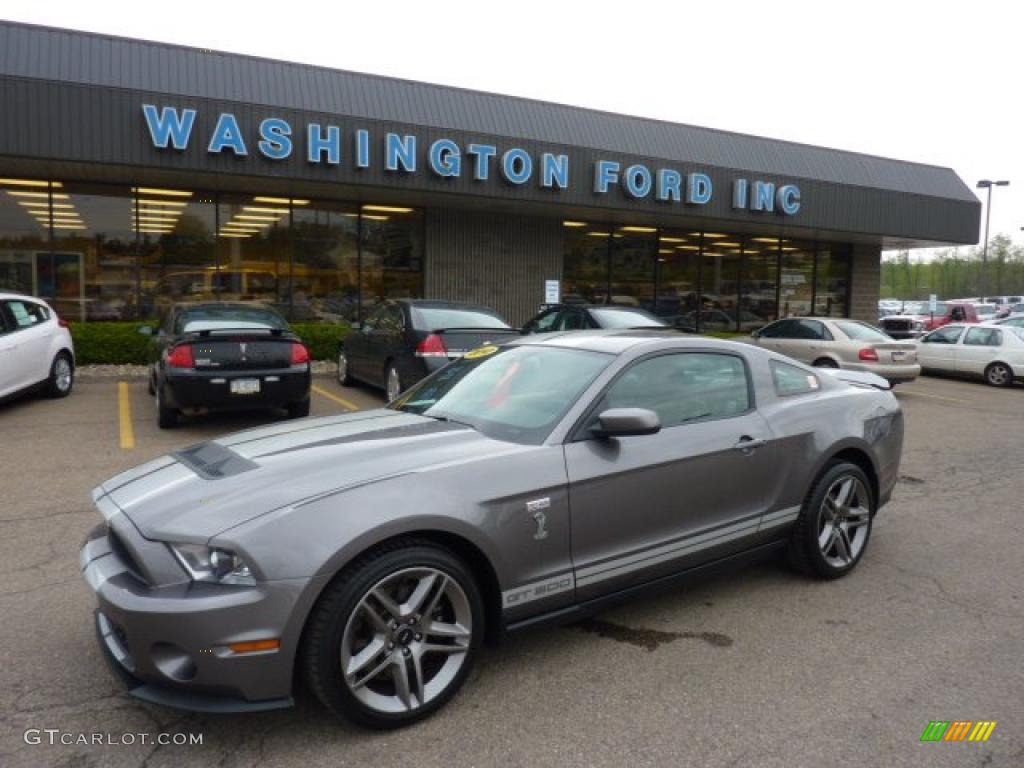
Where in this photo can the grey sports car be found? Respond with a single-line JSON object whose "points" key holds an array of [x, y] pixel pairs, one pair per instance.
{"points": [[371, 553]]}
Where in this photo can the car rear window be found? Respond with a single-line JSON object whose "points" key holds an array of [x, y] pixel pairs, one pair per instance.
{"points": [[216, 318], [609, 317], [442, 318], [860, 331]]}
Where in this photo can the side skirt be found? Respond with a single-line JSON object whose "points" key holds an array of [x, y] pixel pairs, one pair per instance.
{"points": [[690, 576]]}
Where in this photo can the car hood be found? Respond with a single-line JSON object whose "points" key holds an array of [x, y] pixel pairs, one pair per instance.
{"points": [[200, 491]]}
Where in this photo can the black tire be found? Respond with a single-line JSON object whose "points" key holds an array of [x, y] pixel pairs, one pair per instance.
{"points": [[150, 386], [344, 378], [999, 375], [298, 410], [62, 375], [805, 547], [825, 362], [166, 418], [323, 635]]}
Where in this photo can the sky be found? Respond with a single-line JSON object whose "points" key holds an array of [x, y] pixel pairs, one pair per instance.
{"points": [[933, 82]]}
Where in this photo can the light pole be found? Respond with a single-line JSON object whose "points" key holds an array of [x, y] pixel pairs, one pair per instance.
{"points": [[987, 184]]}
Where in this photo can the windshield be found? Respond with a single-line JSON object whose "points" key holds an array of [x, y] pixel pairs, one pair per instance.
{"points": [[515, 393], [982, 309], [439, 318], [860, 331], [624, 318], [212, 318]]}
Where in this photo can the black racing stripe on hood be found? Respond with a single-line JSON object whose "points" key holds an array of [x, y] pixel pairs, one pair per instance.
{"points": [[213, 461], [389, 433]]}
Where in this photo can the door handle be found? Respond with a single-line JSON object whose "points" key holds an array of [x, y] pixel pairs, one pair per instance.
{"points": [[747, 444]]}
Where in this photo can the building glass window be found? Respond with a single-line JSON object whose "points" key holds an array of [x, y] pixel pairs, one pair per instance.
{"points": [[253, 255], [796, 279], [720, 278], [391, 253], [585, 264], [678, 277], [325, 270], [832, 281], [759, 298], [633, 255], [177, 259], [24, 233]]}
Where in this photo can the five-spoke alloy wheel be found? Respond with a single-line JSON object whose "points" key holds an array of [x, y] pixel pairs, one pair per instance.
{"points": [[834, 526], [394, 637]]}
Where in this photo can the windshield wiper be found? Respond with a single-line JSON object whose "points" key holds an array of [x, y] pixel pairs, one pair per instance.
{"points": [[447, 419]]}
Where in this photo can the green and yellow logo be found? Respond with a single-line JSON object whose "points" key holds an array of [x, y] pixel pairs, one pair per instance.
{"points": [[958, 730]]}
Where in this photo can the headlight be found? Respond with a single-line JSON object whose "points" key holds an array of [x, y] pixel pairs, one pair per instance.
{"points": [[211, 564]]}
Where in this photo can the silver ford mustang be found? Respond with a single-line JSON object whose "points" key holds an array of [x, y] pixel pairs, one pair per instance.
{"points": [[371, 553]]}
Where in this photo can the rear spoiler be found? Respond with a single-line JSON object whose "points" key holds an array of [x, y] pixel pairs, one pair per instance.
{"points": [[476, 328], [207, 332], [858, 378]]}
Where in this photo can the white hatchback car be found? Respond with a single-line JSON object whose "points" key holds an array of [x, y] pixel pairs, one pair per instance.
{"points": [[994, 352], [35, 347]]}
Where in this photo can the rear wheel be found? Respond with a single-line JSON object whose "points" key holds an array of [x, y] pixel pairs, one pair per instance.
{"points": [[299, 410], [343, 378], [825, 362], [394, 637], [62, 376], [392, 383], [166, 418], [834, 526], [999, 375]]}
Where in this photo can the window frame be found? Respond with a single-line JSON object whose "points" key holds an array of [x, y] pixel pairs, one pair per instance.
{"points": [[579, 431]]}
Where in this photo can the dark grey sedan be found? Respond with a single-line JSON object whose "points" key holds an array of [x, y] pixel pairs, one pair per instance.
{"points": [[533, 482]]}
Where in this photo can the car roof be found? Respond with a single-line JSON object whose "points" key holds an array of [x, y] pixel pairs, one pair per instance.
{"points": [[611, 341], [184, 305], [443, 304], [14, 295]]}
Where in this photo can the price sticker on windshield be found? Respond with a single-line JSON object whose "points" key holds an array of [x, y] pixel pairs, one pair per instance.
{"points": [[473, 354]]}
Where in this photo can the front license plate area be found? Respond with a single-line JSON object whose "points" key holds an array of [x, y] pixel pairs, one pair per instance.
{"points": [[245, 386]]}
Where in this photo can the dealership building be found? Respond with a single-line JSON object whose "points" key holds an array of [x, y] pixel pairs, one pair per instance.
{"points": [[136, 174]]}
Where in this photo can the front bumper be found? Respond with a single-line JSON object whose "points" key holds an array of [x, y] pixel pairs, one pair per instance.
{"points": [[170, 643], [212, 389]]}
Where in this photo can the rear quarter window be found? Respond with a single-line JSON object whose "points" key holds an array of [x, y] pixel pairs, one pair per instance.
{"points": [[790, 380]]}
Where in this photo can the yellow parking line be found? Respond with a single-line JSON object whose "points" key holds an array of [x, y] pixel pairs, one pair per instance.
{"points": [[339, 400], [935, 397], [124, 409]]}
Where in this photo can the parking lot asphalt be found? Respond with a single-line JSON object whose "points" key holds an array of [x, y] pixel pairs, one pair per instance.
{"points": [[760, 668]]}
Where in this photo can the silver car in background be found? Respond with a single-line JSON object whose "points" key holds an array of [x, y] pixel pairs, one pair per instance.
{"points": [[539, 481], [827, 342], [993, 351]]}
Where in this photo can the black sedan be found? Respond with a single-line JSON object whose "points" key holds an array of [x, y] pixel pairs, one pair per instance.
{"points": [[226, 356], [402, 341], [581, 317]]}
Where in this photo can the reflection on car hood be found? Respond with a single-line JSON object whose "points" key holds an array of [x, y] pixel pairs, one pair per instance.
{"points": [[202, 490]]}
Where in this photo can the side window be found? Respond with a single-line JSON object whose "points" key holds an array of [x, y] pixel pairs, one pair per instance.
{"points": [[5, 326], [790, 380], [943, 336], [983, 337], [27, 313], [683, 387], [572, 320], [812, 330], [374, 319], [392, 319], [783, 329], [546, 322]]}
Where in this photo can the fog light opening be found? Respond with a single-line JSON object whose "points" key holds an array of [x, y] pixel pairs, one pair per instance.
{"points": [[173, 662]]}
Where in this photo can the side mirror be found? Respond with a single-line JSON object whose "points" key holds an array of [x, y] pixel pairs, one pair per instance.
{"points": [[146, 330], [755, 334], [626, 422]]}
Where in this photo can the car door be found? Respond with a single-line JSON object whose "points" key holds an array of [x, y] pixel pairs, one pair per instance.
{"points": [[8, 343], [978, 347], [356, 343], [380, 342], [30, 340], [646, 506], [938, 349]]}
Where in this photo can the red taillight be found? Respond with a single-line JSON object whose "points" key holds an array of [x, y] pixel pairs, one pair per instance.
{"points": [[181, 357], [300, 353], [432, 346], [868, 354], [62, 322]]}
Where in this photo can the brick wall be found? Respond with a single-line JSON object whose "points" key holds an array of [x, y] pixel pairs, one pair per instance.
{"points": [[866, 284]]}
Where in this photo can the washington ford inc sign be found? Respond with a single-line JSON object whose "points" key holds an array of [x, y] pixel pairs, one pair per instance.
{"points": [[171, 128]]}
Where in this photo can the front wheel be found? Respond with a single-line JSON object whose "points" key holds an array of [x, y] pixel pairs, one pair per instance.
{"points": [[166, 418], [999, 375], [834, 526], [62, 376], [394, 637]]}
